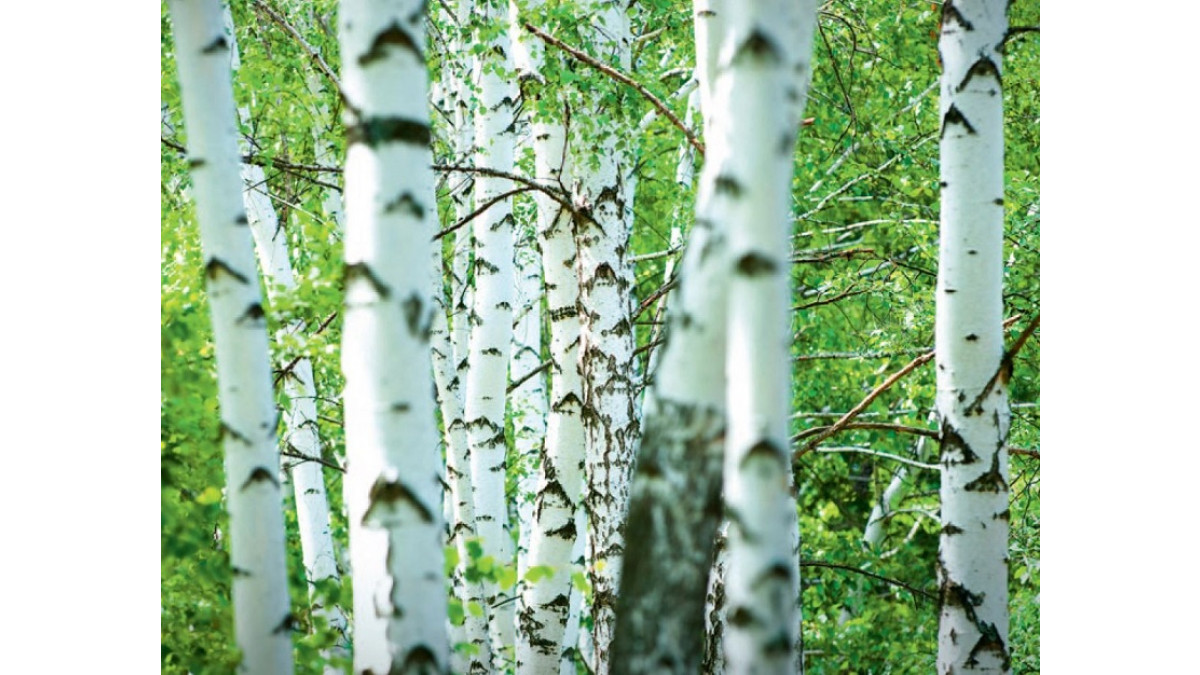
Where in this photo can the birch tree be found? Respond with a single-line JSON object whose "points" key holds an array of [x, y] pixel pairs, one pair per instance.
{"points": [[491, 317], [392, 484], [972, 398], [247, 404], [760, 87], [606, 344]]}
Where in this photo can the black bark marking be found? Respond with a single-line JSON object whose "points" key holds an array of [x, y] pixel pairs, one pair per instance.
{"points": [[217, 45], [357, 271], [950, 529], [401, 407], [406, 203], [955, 116], [982, 67], [741, 617], [989, 641], [728, 185], [492, 351], [196, 163], [414, 308], [240, 572], [392, 35], [419, 660], [972, 337], [254, 312], [236, 435], [215, 266], [991, 481], [391, 493], [949, 11], [377, 131], [288, 624], [756, 264], [759, 47], [764, 449], [953, 443], [999, 201], [241, 220], [972, 252], [258, 475]]}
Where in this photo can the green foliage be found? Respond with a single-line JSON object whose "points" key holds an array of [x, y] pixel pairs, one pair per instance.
{"points": [[865, 244]]}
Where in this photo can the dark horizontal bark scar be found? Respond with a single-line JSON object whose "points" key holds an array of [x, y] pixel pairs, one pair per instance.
{"points": [[989, 641], [217, 45], [764, 449], [288, 623], [394, 36], [258, 475], [954, 447], [389, 494], [241, 219], [951, 529], [254, 312], [419, 660], [983, 67], [230, 432], [950, 12], [728, 185], [196, 162], [377, 131], [756, 264], [955, 116], [406, 203], [991, 481], [216, 266], [362, 272], [414, 311], [759, 47]]}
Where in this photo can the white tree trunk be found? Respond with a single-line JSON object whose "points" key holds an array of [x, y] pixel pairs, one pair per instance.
{"points": [[392, 484], [714, 607], [609, 410], [300, 419], [491, 331], [546, 624], [262, 620], [761, 83], [972, 400]]}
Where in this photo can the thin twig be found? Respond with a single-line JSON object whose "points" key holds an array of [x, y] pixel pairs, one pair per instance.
{"points": [[307, 458], [313, 53], [487, 205], [872, 426], [1006, 364], [624, 79], [885, 455], [894, 582], [521, 380]]}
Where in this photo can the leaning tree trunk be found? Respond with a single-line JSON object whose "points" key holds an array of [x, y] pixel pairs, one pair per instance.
{"points": [[262, 619], [491, 330], [972, 398], [392, 483], [761, 82], [675, 506], [609, 410]]}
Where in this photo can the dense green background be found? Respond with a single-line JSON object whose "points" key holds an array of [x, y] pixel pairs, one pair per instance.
{"points": [[866, 246]]}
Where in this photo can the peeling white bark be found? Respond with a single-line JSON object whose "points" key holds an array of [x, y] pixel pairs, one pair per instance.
{"points": [[392, 484], [262, 620], [972, 564]]}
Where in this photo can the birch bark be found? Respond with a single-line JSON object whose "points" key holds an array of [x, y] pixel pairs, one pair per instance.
{"points": [[545, 622], [761, 83], [392, 484], [491, 330], [971, 401], [609, 410], [262, 620]]}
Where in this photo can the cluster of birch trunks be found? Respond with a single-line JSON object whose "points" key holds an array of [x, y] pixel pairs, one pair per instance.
{"points": [[610, 560]]}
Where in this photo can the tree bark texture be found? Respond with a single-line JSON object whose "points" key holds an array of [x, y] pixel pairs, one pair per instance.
{"points": [[971, 401], [392, 485], [760, 86], [262, 618]]}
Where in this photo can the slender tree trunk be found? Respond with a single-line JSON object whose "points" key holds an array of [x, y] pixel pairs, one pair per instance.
{"points": [[262, 620], [609, 410], [760, 86], [491, 332], [545, 620], [972, 400], [714, 607], [675, 506], [392, 485], [300, 419]]}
